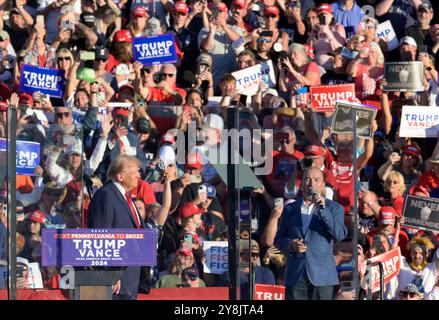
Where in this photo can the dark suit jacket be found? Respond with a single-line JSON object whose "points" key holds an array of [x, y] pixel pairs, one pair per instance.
{"points": [[109, 209], [318, 261]]}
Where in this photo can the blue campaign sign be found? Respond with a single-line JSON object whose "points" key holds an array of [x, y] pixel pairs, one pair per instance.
{"points": [[99, 247], [155, 49], [45, 80], [28, 156]]}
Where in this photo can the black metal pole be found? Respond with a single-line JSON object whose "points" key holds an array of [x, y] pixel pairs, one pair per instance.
{"points": [[233, 218], [12, 219], [355, 209]]}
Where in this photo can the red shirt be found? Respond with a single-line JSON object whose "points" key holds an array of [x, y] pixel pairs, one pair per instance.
{"points": [[145, 192]]}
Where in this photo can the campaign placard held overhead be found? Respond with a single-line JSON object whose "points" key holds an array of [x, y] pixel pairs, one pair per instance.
{"points": [[45, 80], [28, 156], [386, 32], [391, 262], [323, 98], [99, 247], [217, 256], [404, 76], [342, 119], [155, 49], [421, 213], [419, 122], [247, 80]]}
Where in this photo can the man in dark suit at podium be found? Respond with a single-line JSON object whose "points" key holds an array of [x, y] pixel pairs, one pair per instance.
{"points": [[112, 207]]}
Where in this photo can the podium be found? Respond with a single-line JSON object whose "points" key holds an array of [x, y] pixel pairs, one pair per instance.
{"points": [[95, 284]]}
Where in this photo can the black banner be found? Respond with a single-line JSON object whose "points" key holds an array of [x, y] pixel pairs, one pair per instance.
{"points": [[404, 76], [342, 119], [421, 213]]}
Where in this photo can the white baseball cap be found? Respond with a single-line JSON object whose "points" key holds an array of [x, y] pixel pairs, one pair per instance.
{"points": [[213, 121], [408, 40]]}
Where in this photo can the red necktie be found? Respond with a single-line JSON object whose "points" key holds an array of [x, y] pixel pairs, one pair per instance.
{"points": [[133, 211]]}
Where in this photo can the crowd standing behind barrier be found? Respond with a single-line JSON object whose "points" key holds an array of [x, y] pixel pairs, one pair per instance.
{"points": [[98, 84]]}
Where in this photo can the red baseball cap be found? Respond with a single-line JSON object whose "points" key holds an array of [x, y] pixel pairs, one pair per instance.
{"points": [[121, 112], [3, 106], [411, 149], [220, 5], [185, 251], [181, 7], [239, 3], [5, 92], [324, 8], [314, 150], [25, 99], [309, 50], [167, 138], [194, 160], [123, 35], [271, 10], [387, 215], [140, 12], [189, 209], [37, 216], [419, 188]]}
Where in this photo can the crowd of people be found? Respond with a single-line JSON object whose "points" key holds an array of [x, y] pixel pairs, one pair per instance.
{"points": [[109, 133]]}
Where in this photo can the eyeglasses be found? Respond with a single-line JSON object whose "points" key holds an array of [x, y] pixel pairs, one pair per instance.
{"points": [[61, 115], [370, 27], [52, 193], [64, 58], [146, 71], [191, 277], [169, 75], [101, 60], [406, 294], [260, 40], [180, 14], [272, 16], [255, 254], [286, 141]]}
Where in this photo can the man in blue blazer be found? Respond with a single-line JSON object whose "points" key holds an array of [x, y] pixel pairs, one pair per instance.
{"points": [[112, 207], [306, 234]]}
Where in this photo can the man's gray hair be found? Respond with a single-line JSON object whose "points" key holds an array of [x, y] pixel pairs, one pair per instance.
{"points": [[168, 65]]}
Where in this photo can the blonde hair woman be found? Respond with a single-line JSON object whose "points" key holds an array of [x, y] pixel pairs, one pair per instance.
{"points": [[394, 185]]}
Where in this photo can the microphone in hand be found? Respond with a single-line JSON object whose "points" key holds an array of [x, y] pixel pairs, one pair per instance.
{"points": [[317, 199]]}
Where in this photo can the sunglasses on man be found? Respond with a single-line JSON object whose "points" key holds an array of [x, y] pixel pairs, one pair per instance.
{"points": [[61, 115]]}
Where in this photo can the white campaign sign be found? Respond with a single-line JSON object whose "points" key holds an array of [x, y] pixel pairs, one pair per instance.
{"points": [[217, 256], [386, 32], [247, 80], [419, 122]]}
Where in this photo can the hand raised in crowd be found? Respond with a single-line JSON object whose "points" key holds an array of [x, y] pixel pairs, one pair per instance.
{"points": [[22, 283], [394, 158], [186, 179], [137, 67], [20, 3], [198, 7], [106, 125], [298, 246], [13, 100], [271, 252], [213, 26], [121, 131], [39, 172], [170, 174], [63, 35]]}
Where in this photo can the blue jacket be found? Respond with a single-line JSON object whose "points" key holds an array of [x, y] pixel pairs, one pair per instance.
{"points": [[318, 261], [109, 209]]}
